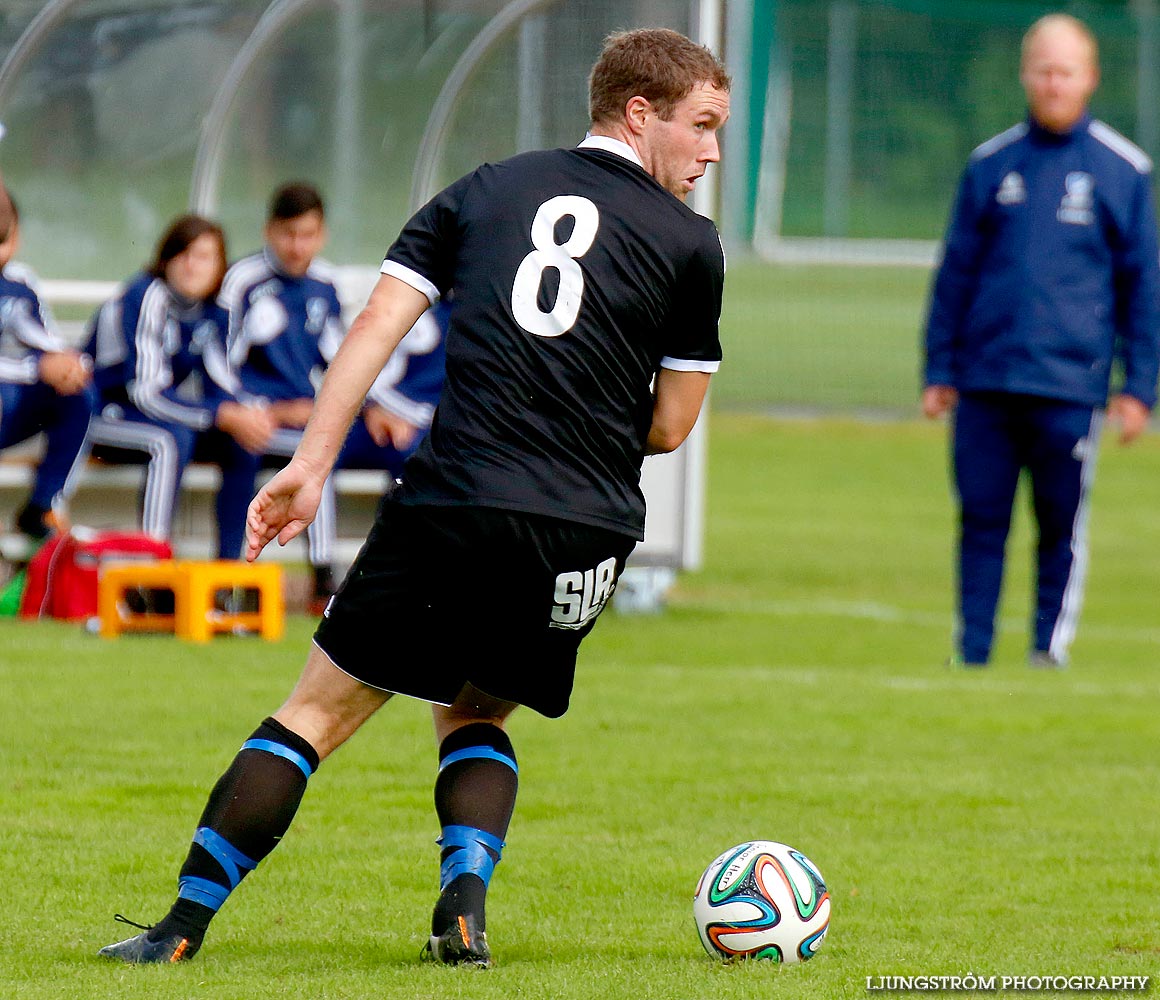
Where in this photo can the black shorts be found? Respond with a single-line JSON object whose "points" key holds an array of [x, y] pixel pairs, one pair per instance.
{"points": [[444, 596]]}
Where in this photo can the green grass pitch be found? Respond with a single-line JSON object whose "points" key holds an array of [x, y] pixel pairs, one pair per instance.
{"points": [[815, 337], [1001, 823]]}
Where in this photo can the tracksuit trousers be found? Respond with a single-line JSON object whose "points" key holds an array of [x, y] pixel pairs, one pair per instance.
{"points": [[26, 410], [996, 437]]}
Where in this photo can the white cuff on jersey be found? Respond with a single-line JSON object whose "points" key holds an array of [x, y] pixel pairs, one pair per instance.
{"points": [[686, 365], [412, 278]]}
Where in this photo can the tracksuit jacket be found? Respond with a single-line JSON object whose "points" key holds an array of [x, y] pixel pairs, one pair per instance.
{"points": [[1050, 269]]}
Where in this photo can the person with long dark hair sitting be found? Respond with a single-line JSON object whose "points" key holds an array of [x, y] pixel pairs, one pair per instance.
{"points": [[165, 388]]}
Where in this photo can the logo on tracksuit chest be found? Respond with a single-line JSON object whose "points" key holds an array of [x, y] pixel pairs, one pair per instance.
{"points": [[1012, 190], [1075, 208], [317, 310]]}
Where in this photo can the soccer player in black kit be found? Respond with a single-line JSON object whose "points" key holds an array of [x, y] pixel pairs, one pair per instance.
{"points": [[583, 336]]}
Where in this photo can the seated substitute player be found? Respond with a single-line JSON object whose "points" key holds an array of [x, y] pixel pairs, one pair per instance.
{"points": [[165, 388], [401, 403], [526, 493], [285, 325], [44, 385]]}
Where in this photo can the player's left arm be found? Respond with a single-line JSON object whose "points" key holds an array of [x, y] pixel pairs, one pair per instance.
{"points": [[692, 351], [1137, 283], [676, 406]]}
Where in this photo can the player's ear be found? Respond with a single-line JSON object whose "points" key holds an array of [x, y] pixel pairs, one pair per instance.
{"points": [[637, 112], [1094, 81]]}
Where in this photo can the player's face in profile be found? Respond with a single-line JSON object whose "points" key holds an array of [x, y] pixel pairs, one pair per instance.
{"points": [[681, 148], [196, 272], [296, 242], [1059, 76]]}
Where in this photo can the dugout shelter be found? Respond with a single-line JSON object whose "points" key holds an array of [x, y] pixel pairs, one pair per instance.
{"points": [[120, 114]]}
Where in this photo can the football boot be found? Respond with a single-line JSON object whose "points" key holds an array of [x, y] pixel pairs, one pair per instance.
{"points": [[461, 944]]}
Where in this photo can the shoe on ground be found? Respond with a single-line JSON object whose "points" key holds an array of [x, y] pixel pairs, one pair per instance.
{"points": [[140, 950], [956, 662], [1041, 659], [461, 944]]}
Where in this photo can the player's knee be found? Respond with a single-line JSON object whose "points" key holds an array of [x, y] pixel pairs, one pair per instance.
{"points": [[471, 707]]}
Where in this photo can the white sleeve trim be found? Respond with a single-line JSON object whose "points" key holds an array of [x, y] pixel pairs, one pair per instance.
{"points": [[412, 278], [24, 371], [218, 368], [154, 373], [685, 365], [30, 331]]}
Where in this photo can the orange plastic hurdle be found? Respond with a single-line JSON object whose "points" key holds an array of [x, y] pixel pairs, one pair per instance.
{"points": [[199, 620], [113, 611], [194, 586]]}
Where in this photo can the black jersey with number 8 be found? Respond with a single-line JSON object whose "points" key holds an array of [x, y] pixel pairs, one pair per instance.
{"points": [[575, 277]]}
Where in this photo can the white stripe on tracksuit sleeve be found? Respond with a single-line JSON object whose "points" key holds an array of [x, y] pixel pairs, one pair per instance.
{"points": [[153, 375]]}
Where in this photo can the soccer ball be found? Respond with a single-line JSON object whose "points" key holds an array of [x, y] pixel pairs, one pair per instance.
{"points": [[762, 900]]}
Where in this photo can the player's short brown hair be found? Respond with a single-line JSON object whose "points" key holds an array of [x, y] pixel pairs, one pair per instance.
{"points": [[660, 65], [177, 238]]}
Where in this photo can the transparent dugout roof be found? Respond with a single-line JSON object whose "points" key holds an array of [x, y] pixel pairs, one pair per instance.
{"points": [[121, 114]]}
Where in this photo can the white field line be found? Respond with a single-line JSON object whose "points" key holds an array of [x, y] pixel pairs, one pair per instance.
{"points": [[889, 614], [1000, 681]]}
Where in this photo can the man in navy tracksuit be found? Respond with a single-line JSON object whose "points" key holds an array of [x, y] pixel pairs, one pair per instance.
{"points": [[1049, 282]]}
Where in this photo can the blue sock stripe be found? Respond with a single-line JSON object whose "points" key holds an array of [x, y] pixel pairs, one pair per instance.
{"points": [[481, 753], [465, 836], [225, 854], [202, 891], [472, 856], [281, 750]]}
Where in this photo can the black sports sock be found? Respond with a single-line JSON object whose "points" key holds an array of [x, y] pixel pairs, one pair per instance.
{"points": [[475, 794], [248, 811]]}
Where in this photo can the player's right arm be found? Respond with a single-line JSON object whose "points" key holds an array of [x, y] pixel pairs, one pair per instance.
{"points": [[288, 502], [953, 289], [40, 352]]}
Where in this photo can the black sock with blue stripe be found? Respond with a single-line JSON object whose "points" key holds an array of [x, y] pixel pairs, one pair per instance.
{"points": [[475, 794], [248, 811]]}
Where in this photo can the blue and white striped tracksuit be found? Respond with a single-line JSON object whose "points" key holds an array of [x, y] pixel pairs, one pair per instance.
{"points": [[1050, 275]]}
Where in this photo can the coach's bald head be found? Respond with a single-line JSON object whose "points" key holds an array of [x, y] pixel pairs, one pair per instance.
{"points": [[1059, 70]]}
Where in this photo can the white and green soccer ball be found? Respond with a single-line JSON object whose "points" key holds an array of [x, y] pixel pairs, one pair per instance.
{"points": [[762, 900]]}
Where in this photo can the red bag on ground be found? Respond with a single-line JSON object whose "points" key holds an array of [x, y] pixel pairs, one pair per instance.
{"points": [[62, 576]]}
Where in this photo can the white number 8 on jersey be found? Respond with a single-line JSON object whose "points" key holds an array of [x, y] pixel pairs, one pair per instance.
{"points": [[561, 256]]}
